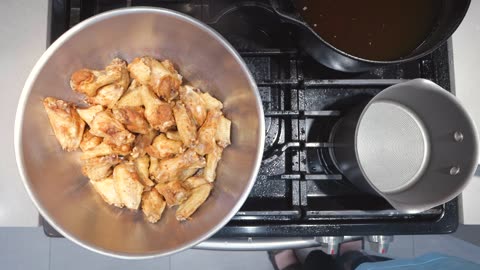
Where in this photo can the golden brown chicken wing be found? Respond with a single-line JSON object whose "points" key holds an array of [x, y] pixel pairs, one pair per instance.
{"points": [[194, 182], [198, 196], [152, 205], [89, 141], [106, 189], [88, 81], [158, 113], [87, 114], [173, 192], [114, 133], [127, 185], [173, 135], [142, 164], [98, 168], [107, 96], [210, 102], [133, 119], [210, 171], [141, 143], [194, 103], [104, 149], [162, 147], [185, 125], [222, 136], [206, 133], [67, 125], [172, 168], [161, 77], [132, 97]]}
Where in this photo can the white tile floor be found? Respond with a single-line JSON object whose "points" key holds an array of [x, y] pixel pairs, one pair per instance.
{"points": [[29, 248]]}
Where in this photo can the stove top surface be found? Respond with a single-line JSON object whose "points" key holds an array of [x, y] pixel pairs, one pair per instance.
{"points": [[298, 191]]}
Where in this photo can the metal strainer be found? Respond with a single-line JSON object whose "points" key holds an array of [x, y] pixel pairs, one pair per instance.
{"points": [[413, 144]]}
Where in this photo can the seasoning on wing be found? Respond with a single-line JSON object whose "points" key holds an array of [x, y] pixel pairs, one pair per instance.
{"points": [[171, 169], [127, 185], [89, 141], [173, 192], [66, 123], [87, 114], [106, 189], [198, 196], [158, 113], [133, 119], [113, 132], [132, 97], [194, 103], [206, 133], [142, 164], [141, 143], [162, 147], [185, 125], [210, 170], [98, 168], [152, 205], [88, 81], [161, 77]]}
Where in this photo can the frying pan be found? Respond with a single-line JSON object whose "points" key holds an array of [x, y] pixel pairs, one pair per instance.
{"points": [[451, 15]]}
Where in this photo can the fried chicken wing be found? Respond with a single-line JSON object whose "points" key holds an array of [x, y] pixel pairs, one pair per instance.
{"points": [[67, 125], [194, 103], [87, 114], [210, 102], [158, 113], [141, 143], [98, 168], [173, 135], [198, 196], [133, 119], [133, 96], [88, 81], [161, 77], [127, 185], [142, 164], [173, 192], [222, 136], [194, 182], [152, 205], [107, 96], [113, 132], [162, 147], [185, 125], [89, 141], [210, 171], [171, 169], [206, 133], [104, 149], [106, 189]]}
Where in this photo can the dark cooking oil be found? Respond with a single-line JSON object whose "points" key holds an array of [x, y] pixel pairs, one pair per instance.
{"points": [[372, 29]]}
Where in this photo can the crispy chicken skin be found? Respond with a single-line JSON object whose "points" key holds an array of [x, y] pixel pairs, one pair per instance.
{"points": [[89, 141], [98, 168], [211, 103], [158, 113], [206, 133], [162, 147], [152, 205], [127, 185], [141, 143], [67, 125], [185, 125], [209, 173], [198, 196], [106, 96], [87, 114], [173, 192], [161, 77], [222, 136], [88, 81], [194, 103], [114, 133], [194, 182], [133, 96], [132, 118], [173, 135], [171, 169], [142, 164], [104, 149], [106, 189]]}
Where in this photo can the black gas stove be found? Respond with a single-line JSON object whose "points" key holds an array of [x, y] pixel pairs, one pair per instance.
{"points": [[298, 191]]}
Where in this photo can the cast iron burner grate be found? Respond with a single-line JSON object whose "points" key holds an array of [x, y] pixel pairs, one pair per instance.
{"points": [[298, 191]]}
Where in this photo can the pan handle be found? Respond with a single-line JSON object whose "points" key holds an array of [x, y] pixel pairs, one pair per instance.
{"points": [[294, 18]]}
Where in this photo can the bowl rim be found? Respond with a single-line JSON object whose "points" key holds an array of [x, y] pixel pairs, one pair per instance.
{"points": [[19, 118]]}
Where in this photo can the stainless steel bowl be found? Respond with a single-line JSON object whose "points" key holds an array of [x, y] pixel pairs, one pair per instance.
{"points": [[52, 177]]}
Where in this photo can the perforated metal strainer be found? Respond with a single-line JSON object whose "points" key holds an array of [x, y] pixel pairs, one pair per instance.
{"points": [[414, 144]]}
